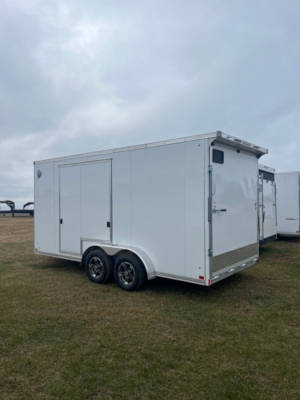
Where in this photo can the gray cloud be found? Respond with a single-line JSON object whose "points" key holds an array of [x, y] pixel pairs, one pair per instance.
{"points": [[77, 77]]}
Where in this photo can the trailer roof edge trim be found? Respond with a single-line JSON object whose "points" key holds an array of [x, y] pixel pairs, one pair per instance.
{"points": [[263, 167], [219, 136]]}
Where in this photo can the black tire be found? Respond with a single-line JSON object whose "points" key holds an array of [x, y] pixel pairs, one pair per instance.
{"points": [[98, 266], [129, 271]]}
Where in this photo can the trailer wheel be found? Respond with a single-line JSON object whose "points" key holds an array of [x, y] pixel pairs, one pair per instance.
{"points": [[129, 271], [98, 266]]}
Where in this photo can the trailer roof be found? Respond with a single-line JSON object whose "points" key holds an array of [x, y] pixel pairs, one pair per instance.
{"points": [[287, 172], [219, 136]]}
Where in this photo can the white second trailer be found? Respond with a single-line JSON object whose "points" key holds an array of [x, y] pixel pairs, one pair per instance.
{"points": [[267, 204], [184, 209], [288, 203]]}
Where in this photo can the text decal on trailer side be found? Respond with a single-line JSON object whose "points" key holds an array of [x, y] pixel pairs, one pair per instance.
{"points": [[184, 209]]}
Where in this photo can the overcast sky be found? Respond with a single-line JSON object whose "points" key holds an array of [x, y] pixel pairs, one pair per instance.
{"points": [[83, 76]]}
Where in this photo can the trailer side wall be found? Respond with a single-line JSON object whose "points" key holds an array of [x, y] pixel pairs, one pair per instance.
{"points": [[158, 203], [287, 185]]}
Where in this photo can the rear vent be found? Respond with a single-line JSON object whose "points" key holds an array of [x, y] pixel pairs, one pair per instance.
{"points": [[218, 156], [268, 176]]}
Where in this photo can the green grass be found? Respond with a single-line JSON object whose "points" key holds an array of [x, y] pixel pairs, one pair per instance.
{"points": [[63, 337]]}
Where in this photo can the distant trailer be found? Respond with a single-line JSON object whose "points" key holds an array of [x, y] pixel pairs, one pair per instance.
{"points": [[267, 204], [288, 203], [16, 213], [184, 209], [6, 213]]}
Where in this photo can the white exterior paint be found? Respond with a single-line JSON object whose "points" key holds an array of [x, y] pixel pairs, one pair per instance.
{"points": [[80, 215], [288, 203], [234, 190], [267, 203], [157, 200]]}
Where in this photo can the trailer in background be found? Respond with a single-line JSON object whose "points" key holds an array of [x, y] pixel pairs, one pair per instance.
{"points": [[13, 212], [184, 209], [288, 203], [267, 204], [16, 213]]}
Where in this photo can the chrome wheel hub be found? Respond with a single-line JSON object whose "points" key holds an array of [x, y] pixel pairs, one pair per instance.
{"points": [[96, 267], [126, 273]]}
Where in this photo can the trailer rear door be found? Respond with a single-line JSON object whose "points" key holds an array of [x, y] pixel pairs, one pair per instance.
{"points": [[234, 206], [261, 211], [269, 208]]}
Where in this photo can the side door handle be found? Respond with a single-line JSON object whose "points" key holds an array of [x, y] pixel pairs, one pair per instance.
{"points": [[216, 210], [61, 221]]}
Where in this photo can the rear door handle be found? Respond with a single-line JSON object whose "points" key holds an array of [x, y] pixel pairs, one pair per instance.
{"points": [[216, 210]]}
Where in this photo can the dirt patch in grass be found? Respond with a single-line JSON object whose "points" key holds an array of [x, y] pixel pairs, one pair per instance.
{"points": [[62, 337]]}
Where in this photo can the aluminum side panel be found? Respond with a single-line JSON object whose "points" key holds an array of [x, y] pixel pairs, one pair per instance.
{"points": [[159, 205]]}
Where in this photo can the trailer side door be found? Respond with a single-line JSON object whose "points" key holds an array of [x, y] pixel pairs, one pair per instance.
{"points": [[85, 204]]}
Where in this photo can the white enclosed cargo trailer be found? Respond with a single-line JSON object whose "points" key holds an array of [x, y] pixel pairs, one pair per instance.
{"points": [[184, 209], [267, 204], [288, 203]]}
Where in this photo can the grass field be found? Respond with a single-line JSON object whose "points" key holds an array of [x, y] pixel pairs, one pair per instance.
{"points": [[63, 337]]}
